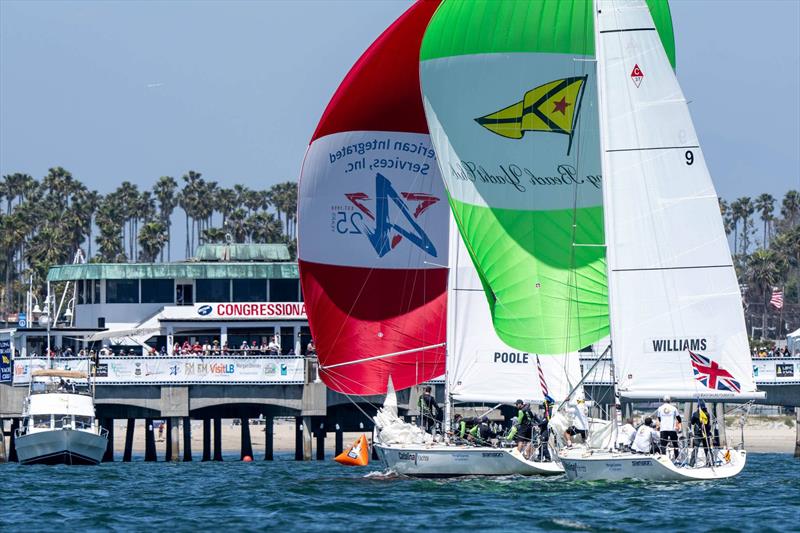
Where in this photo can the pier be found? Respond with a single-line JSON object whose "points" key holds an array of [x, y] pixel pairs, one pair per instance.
{"points": [[163, 389]]}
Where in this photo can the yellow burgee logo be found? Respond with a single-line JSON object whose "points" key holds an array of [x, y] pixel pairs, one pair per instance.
{"points": [[552, 108]]}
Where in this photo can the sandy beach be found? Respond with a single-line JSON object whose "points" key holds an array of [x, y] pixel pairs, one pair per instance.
{"points": [[762, 434]]}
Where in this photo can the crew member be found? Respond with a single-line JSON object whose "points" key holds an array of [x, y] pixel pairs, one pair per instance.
{"points": [[625, 435], [543, 424], [522, 429], [647, 438], [428, 410], [701, 430], [668, 418], [482, 432], [580, 424]]}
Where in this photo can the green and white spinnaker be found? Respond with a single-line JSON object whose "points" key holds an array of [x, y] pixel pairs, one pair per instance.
{"points": [[510, 96]]}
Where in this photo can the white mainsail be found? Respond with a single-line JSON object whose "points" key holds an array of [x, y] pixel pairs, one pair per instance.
{"points": [[673, 293], [481, 367]]}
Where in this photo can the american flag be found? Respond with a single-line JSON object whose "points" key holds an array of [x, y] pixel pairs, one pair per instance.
{"points": [[542, 382], [713, 376], [777, 299]]}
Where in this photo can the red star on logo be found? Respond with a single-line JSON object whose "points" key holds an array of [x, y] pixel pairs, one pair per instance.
{"points": [[561, 106]]}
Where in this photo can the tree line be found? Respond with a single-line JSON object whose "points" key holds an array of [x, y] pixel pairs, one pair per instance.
{"points": [[765, 239], [46, 221]]}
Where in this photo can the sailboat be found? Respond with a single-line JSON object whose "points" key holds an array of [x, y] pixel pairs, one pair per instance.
{"points": [[481, 369], [677, 324]]}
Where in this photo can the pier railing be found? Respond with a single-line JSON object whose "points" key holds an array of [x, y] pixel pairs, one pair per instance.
{"points": [[177, 370]]}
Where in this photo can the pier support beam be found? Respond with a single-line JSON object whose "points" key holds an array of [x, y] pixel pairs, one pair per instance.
{"points": [[187, 439], [797, 434], [206, 439], [339, 443], [168, 442], [218, 439], [12, 442], [129, 428], [321, 442], [306, 438], [108, 456], [149, 441], [269, 432], [298, 438], [247, 445], [173, 435], [3, 456]]}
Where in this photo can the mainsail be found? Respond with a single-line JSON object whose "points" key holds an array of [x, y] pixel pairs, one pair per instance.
{"points": [[677, 325], [510, 94], [372, 224], [480, 366]]}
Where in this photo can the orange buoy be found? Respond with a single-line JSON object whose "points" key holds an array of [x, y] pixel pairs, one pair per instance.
{"points": [[357, 455], [247, 459]]}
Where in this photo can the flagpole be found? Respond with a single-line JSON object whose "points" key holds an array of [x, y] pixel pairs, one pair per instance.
{"points": [[780, 318]]}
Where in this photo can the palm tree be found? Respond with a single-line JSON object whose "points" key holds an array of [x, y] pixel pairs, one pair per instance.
{"points": [[745, 211], [765, 205], [225, 202], [790, 208], [164, 191], [152, 238], [765, 270]]}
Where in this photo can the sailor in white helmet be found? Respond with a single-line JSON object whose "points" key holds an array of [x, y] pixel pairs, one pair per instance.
{"points": [[668, 418]]}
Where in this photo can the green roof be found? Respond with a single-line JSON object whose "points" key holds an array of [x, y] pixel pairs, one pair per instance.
{"points": [[173, 271], [243, 252]]}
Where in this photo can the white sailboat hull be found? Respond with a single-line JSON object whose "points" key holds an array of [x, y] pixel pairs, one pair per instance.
{"points": [[586, 465], [450, 461], [61, 446]]}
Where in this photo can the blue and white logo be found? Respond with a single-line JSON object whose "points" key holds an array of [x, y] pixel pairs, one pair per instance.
{"points": [[204, 310]]}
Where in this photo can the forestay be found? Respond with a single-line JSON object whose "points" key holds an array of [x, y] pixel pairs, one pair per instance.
{"points": [[481, 367], [677, 325]]}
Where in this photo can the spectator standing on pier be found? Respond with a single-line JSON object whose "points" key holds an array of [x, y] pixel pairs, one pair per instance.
{"points": [[274, 348], [311, 349]]}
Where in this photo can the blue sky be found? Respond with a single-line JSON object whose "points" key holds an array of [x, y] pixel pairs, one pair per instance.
{"points": [[135, 90]]}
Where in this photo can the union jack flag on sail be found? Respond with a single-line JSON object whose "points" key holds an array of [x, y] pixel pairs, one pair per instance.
{"points": [[713, 376]]}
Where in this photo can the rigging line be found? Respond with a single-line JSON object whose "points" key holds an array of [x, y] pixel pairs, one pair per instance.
{"points": [[384, 356]]}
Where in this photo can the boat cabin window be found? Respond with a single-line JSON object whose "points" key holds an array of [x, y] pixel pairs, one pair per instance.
{"points": [[62, 420], [41, 421], [83, 422]]}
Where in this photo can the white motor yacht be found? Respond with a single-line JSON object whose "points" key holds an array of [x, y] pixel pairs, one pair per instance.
{"points": [[59, 425]]}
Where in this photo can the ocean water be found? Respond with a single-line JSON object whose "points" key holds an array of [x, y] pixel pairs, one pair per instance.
{"points": [[324, 496]]}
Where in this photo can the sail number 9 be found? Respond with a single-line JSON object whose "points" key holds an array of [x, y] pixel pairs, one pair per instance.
{"points": [[345, 224], [689, 155]]}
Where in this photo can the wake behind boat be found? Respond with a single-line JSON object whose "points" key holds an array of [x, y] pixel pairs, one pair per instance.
{"points": [[59, 425]]}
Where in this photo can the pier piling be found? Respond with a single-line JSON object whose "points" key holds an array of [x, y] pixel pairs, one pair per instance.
{"points": [[149, 441], [306, 438], [797, 429], [269, 432], [173, 438], [12, 442], [206, 439], [3, 456], [108, 456], [247, 445], [187, 439], [339, 441], [168, 446], [298, 438], [218, 439], [321, 442], [127, 454]]}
